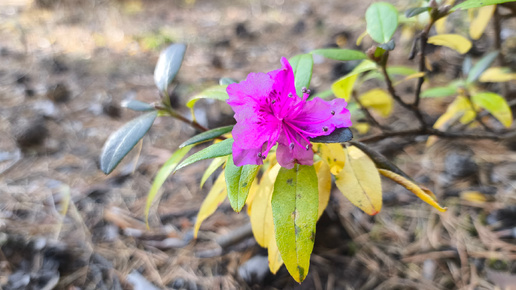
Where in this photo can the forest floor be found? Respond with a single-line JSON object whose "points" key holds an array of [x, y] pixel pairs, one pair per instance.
{"points": [[66, 67]]}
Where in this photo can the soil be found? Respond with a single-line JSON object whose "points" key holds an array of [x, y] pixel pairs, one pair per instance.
{"points": [[67, 65]]}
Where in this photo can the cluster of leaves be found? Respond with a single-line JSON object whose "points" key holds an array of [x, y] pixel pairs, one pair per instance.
{"points": [[285, 204]]}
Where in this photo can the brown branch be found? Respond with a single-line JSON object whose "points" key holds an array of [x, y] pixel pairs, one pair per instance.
{"points": [[397, 98], [368, 115], [434, 132], [423, 40], [183, 119]]}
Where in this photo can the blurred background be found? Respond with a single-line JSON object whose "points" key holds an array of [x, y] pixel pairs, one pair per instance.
{"points": [[66, 66]]}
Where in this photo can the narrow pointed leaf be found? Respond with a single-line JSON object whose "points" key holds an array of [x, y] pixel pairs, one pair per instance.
{"points": [[216, 92], [324, 185], [215, 197], [411, 12], [227, 81], [222, 148], [168, 65], [497, 75], [482, 65], [302, 65], [479, 24], [260, 210], [359, 181], [439, 92], [382, 21], [215, 163], [238, 182], [340, 54], [339, 135], [496, 105], [294, 210], [478, 3], [162, 175], [123, 140], [207, 136], [453, 41], [274, 255], [414, 188], [136, 105]]}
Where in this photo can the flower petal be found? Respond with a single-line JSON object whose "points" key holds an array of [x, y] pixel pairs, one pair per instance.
{"points": [[246, 156], [319, 117], [247, 94], [284, 81], [295, 152]]}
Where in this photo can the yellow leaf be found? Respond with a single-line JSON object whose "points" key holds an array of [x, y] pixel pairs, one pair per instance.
{"points": [[479, 23], [453, 41], [414, 188], [440, 25], [343, 87], [378, 100], [252, 193], [260, 210], [361, 127], [409, 77], [274, 256], [497, 75], [212, 201], [359, 181], [324, 185], [473, 196], [333, 154], [461, 108]]}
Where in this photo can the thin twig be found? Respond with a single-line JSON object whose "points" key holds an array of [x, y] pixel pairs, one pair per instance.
{"points": [[174, 114], [397, 98], [423, 40], [368, 115]]}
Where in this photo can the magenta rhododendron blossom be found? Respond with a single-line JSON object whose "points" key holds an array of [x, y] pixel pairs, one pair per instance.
{"points": [[268, 111]]}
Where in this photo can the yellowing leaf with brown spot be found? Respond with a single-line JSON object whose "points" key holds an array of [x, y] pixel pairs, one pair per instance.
{"points": [[378, 100], [260, 210], [324, 185], [274, 256], [333, 154], [212, 201], [479, 23], [414, 188], [359, 181], [497, 75], [453, 41]]}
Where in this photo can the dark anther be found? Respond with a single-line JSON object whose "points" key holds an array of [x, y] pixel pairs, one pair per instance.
{"points": [[332, 112], [291, 146], [303, 89], [260, 155], [263, 157], [325, 129], [290, 95], [308, 91], [307, 147]]}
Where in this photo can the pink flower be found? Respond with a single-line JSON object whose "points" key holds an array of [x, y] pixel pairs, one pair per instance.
{"points": [[268, 111]]}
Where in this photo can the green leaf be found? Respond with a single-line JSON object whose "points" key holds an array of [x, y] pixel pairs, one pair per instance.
{"points": [[400, 70], [340, 54], [215, 92], [219, 149], [483, 64], [136, 105], [295, 205], [339, 135], [206, 136], [238, 182], [496, 105], [123, 140], [382, 21], [388, 46], [215, 163], [416, 11], [478, 3], [163, 173], [439, 92], [302, 65], [168, 65]]}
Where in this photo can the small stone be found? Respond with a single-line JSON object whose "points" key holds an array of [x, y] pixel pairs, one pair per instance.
{"points": [[112, 109], [254, 270], [58, 93], [31, 134], [459, 163]]}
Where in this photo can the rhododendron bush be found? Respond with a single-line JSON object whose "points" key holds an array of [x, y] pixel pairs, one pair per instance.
{"points": [[288, 147]]}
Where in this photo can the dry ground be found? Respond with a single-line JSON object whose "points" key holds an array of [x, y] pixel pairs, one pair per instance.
{"points": [[66, 66]]}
